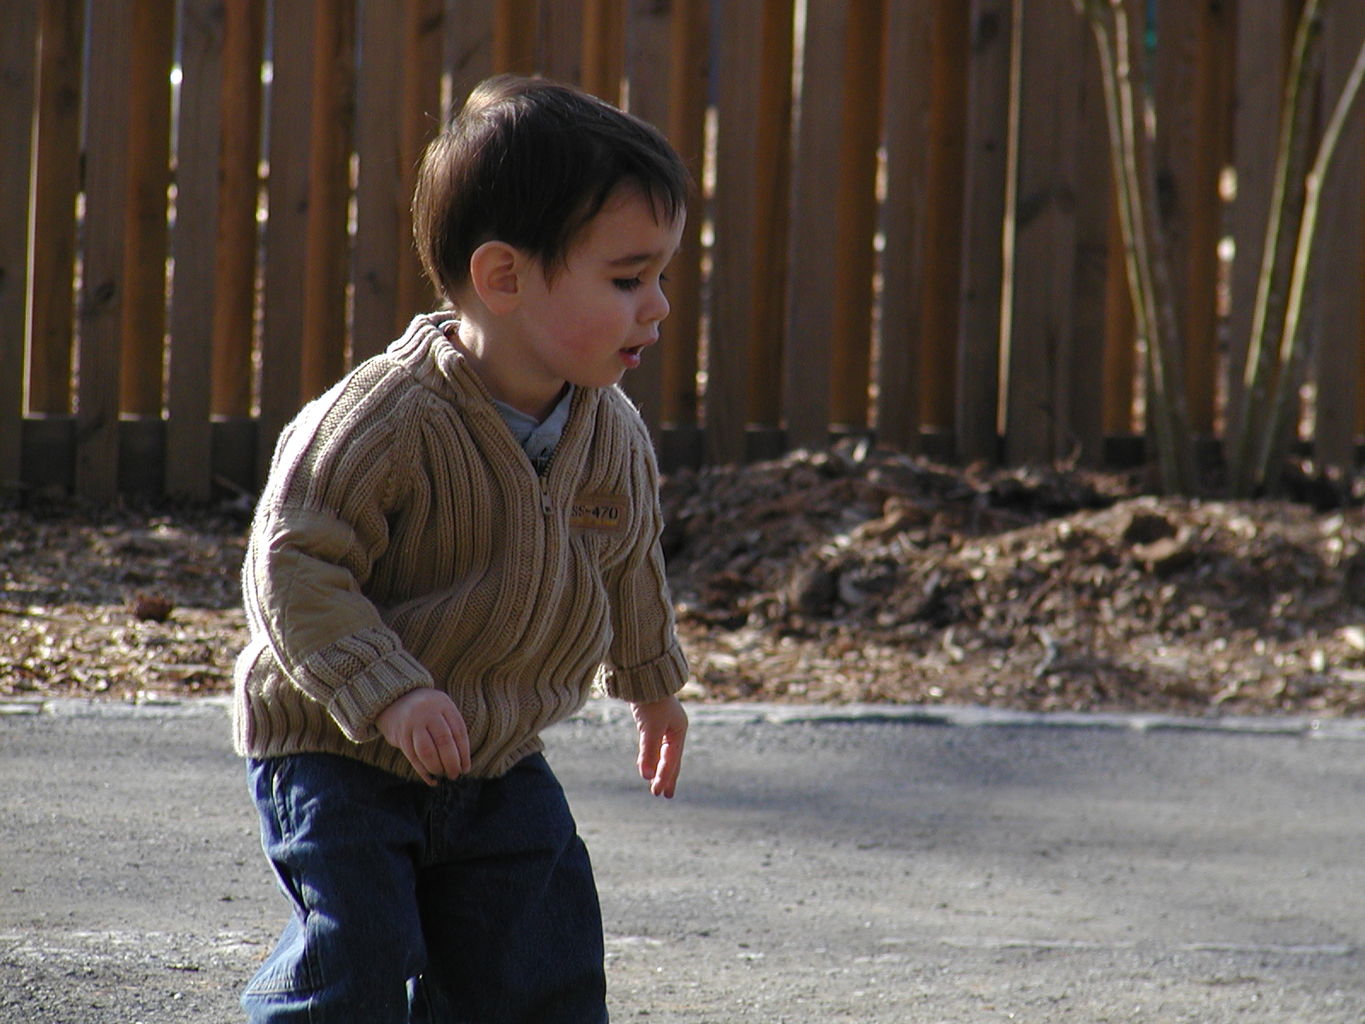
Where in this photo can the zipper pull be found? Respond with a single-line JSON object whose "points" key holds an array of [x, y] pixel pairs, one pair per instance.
{"points": [[545, 504]]}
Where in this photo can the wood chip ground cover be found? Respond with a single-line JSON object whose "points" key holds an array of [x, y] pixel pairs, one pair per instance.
{"points": [[851, 575]]}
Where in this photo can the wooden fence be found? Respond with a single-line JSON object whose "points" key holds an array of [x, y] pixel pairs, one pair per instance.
{"points": [[906, 228]]}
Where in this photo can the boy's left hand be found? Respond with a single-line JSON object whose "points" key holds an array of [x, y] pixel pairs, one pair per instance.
{"points": [[663, 726]]}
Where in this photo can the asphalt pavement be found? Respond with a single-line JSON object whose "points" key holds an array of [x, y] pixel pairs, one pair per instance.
{"points": [[861, 864]]}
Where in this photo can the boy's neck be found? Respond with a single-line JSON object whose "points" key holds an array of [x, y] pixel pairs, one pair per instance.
{"points": [[483, 354]]}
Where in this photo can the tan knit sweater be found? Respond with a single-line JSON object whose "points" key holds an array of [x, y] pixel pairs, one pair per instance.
{"points": [[403, 540]]}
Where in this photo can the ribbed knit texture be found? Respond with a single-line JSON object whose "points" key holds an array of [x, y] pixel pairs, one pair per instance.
{"points": [[404, 540]]}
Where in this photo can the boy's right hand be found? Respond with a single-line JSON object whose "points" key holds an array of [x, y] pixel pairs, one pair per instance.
{"points": [[428, 728]]}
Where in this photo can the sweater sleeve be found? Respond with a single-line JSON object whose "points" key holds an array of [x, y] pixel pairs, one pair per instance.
{"points": [[319, 528], [646, 661]]}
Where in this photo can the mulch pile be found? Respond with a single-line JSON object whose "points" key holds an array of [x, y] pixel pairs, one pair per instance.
{"points": [[848, 575]]}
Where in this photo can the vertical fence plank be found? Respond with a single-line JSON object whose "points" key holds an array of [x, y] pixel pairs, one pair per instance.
{"points": [[559, 45], [286, 231], [1083, 388], [1190, 124], [772, 133], [646, 70], [144, 303], [190, 399], [392, 128], [328, 259], [515, 24], [737, 198], [103, 283], [471, 46], [1262, 30], [1341, 261], [951, 32], [18, 75], [811, 310], [689, 70], [56, 183], [422, 117], [379, 187], [856, 202], [908, 99], [604, 48], [239, 153], [990, 74], [1120, 332], [1040, 343]]}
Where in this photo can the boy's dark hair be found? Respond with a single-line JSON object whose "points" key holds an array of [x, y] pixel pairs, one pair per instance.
{"points": [[529, 162]]}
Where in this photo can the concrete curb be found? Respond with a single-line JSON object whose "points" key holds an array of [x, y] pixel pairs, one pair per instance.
{"points": [[605, 710]]}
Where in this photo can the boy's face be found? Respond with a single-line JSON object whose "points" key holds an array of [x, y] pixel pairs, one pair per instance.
{"points": [[590, 323]]}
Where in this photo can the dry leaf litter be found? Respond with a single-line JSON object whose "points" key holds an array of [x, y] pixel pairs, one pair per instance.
{"points": [[848, 575]]}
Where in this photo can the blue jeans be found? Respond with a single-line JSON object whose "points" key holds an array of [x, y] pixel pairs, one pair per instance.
{"points": [[469, 903]]}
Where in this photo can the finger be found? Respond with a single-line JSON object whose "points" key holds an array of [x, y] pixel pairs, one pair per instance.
{"points": [[460, 733], [670, 765], [410, 752], [650, 742], [446, 750], [425, 757]]}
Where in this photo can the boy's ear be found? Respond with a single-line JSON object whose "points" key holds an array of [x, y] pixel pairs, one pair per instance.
{"points": [[495, 270]]}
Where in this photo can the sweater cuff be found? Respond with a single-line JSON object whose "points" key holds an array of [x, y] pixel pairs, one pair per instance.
{"points": [[654, 680], [363, 692]]}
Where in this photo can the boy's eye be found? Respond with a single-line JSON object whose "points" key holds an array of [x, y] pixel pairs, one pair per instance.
{"points": [[629, 284]]}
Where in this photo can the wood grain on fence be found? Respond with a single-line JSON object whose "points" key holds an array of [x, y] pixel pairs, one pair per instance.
{"points": [[940, 293], [1085, 395], [812, 311], [853, 252], [645, 65], [604, 48], [189, 399], [143, 326], [772, 129], [1191, 107], [1339, 367], [286, 230], [1263, 34], [908, 110], [994, 39], [425, 31], [104, 281], [738, 202], [327, 259], [18, 61], [382, 94], [968, 137], [56, 184], [1042, 340], [689, 75], [235, 258], [514, 36]]}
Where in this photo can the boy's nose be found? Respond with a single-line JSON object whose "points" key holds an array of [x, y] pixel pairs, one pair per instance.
{"points": [[657, 307]]}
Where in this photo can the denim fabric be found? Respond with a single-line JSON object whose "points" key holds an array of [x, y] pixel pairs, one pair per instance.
{"points": [[469, 903]]}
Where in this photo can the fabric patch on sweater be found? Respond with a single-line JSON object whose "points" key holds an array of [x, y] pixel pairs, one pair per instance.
{"points": [[598, 513]]}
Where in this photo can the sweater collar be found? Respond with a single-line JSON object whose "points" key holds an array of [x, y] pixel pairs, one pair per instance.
{"points": [[431, 357]]}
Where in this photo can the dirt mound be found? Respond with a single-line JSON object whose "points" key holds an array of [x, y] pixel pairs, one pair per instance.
{"points": [[847, 575], [859, 575]]}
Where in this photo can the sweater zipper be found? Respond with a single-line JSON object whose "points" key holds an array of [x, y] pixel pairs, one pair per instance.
{"points": [[543, 479]]}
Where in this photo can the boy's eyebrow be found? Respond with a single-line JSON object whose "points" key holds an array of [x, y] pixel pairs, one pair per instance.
{"points": [[644, 257]]}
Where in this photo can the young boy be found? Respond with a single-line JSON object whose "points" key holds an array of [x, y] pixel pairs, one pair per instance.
{"points": [[451, 544]]}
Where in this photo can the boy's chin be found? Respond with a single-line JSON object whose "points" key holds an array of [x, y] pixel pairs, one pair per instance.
{"points": [[603, 380]]}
